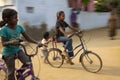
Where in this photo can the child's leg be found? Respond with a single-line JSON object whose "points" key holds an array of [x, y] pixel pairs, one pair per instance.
{"points": [[23, 57], [45, 52], [68, 45], [10, 63]]}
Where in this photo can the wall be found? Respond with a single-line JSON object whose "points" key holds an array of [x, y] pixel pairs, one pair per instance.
{"points": [[39, 14], [53, 7], [90, 20], [45, 11]]}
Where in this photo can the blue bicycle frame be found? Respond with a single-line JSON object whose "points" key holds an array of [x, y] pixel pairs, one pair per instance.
{"points": [[22, 75]]}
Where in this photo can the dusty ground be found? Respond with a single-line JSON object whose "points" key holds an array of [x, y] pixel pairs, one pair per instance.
{"points": [[98, 41]]}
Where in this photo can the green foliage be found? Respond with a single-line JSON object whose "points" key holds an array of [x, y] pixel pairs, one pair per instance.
{"points": [[118, 7], [101, 6], [115, 4], [85, 2]]}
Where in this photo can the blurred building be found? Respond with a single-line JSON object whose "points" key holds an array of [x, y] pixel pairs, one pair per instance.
{"points": [[36, 12], [77, 4]]}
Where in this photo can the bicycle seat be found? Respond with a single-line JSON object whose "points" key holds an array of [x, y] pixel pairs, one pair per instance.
{"points": [[55, 41]]}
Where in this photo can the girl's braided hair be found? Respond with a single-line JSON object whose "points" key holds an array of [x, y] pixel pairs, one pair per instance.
{"points": [[6, 14]]}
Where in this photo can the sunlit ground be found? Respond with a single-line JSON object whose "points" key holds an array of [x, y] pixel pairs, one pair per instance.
{"points": [[96, 40]]}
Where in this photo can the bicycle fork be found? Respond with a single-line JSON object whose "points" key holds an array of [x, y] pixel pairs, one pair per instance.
{"points": [[85, 53]]}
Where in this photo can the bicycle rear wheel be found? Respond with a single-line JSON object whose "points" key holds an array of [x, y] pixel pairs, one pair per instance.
{"points": [[91, 62], [55, 58]]}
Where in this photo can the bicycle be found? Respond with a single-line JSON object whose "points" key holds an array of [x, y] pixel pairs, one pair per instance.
{"points": [[24, 72], [90, 61], [3, 70]]}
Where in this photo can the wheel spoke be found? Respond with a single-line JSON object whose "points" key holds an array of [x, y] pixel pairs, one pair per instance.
{"points": [[91, 62], [55, 58]]}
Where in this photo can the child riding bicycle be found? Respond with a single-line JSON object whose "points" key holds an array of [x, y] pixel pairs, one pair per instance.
{"points": [[10, 36], [62, 36]]}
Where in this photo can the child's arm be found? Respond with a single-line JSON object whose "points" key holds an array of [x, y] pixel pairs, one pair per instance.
{"points": [[74, 29], [46, 41], [49, 40], [6, 43], [61, 30]]}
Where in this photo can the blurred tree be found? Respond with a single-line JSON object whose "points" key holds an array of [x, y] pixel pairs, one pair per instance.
{"points": [[85, 3], [102, 6], [107, 6], [35, 32], [115, 5]]}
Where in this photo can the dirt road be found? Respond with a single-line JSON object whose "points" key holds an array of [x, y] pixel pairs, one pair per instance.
{"points": [[98, 41]]}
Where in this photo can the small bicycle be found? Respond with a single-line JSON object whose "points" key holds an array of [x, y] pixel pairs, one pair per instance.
{"points": [[22, 73], [90, 61]]}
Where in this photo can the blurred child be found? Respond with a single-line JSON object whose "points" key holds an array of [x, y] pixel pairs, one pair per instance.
{"points": [[112, 25], [45, 40], [73, 18]]}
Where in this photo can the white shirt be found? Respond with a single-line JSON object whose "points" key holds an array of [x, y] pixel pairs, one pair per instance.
{"points": [[44, 41]]}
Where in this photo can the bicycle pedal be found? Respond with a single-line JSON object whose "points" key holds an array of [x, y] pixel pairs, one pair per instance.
{"points": [[69, 62], [63, 56]]}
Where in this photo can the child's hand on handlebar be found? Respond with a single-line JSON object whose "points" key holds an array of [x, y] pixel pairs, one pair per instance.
{"points": [[40, 45], [79, 31], [69, 35]]}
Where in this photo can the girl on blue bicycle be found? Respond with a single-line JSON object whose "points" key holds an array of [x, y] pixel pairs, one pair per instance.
{"points": [[10, 36]]}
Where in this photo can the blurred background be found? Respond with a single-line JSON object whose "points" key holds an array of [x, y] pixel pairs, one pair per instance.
{"points": [[40, 15]]}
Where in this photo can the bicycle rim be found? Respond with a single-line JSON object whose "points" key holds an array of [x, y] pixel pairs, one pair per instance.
{"points": [[35, 78], [91, 62], [3, 75], [54, 58]]}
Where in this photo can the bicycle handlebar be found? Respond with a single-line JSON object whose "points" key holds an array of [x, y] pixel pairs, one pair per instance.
{"points": [[79, 34], [30, 55], [36, 51]]}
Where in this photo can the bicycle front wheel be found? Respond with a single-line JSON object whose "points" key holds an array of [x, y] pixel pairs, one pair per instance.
{"points": [[55, 58], [3, 71], [91, 62]]}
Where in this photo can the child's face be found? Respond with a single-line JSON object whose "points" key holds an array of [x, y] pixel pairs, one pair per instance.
{"points": [[13, 20], [62, 17]]}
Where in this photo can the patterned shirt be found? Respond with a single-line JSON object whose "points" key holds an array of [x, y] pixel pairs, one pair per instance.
{"points": [[11, 34]]}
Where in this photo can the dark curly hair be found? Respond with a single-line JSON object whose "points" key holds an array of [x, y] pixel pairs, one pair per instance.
{"points": [[59, 13], [6, 14], [46, 35]]}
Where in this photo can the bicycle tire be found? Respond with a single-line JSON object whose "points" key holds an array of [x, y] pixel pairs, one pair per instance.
{"points": [[3, 75], [35, 78], [91, 62], [55, 58], [3, 72]]}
